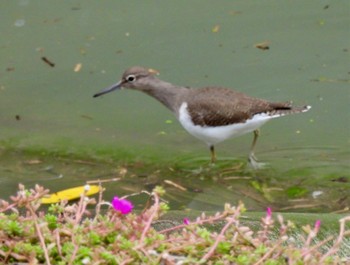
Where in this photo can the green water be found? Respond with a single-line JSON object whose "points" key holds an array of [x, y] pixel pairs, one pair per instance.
{"points": [[48, 113]]}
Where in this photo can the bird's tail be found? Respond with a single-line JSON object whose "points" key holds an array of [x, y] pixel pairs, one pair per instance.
{"points": [[288, 109]]}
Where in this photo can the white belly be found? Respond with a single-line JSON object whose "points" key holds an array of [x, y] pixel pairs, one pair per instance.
{"points": [[214, 135]]}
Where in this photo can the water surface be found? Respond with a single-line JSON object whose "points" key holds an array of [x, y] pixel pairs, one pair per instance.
{"points": [[48, 113]]}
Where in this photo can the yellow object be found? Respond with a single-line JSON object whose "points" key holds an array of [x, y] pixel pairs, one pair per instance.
{"points": [[70, 194]]}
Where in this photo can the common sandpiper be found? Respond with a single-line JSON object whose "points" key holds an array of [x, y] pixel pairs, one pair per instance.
{"points": [[212, 114]]}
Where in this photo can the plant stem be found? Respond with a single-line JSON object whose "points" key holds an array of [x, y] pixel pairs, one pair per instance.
{"points": [[149, 222], [40, 235]]}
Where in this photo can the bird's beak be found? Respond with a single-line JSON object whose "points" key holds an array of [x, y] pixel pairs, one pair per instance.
{"points": [[109, 89]]}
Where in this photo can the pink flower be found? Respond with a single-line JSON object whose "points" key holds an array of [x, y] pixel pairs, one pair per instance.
{"points": [[268, 212], [186, 221], [122, 205], [317, 225]]}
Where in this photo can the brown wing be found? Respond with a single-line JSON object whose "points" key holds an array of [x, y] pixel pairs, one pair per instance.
{"points": [[221, 106]]}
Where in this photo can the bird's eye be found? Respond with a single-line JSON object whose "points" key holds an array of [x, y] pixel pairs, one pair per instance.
{"points": [[130, 78]]}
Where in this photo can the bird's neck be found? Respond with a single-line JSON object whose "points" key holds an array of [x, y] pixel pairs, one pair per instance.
{"points": [[167, 93]]}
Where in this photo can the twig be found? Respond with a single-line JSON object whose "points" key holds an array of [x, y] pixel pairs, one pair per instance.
{"points": [[199, 222], [75, 251], [232, 219], [172, 183], [341, 235], [47, 61], [8, 207], [58, 242], [312, 234], [309, 250], [267, 254], [135, 194], [38, 231], [12, 205], [250, 242], [98, 206], [127, 261], [154, 213], [81, 207], [99, 181], [219, 238]]}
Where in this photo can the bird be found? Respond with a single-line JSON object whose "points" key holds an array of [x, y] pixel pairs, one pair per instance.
{"points": [[212, 114]]}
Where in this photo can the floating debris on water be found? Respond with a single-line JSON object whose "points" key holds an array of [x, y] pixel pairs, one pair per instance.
{"points": [[265, 45], [77, 67], [20, 23], [47, 61], [215, 29], [316, 194]]}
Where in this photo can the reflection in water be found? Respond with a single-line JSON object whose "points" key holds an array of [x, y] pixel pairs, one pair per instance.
{"points": [[195, 184]]}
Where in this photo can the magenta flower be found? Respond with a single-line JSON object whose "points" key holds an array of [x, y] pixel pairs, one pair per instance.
{"points": [[317, 225], [186, 221], [268, 212], [122, 205]]}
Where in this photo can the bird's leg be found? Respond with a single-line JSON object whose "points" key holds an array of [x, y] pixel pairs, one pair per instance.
{"points": [[253, 161], [252, 148], [213, 155]]}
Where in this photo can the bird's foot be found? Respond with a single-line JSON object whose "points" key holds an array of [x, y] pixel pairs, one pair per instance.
{"points": [[253, 161]]}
